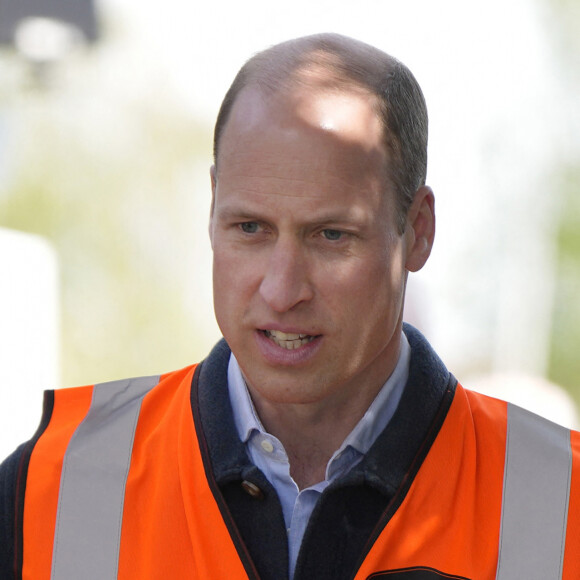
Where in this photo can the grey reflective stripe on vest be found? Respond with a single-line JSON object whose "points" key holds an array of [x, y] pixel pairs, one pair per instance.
{"points": [[536, 490], [92, 487]]}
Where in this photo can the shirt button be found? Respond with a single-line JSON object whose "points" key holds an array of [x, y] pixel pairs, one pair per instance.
{"points": [[252, 489], [267, 446]]}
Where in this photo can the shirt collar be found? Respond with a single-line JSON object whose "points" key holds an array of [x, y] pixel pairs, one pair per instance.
{"points": [[383, 407], [245, 415]]}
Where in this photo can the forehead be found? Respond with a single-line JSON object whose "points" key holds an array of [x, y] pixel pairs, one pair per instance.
{"points": [[307, 132], [305, 148], [348, 115]]}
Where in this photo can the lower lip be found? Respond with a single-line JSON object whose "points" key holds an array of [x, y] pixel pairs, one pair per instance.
{"points": [[278, 355]]}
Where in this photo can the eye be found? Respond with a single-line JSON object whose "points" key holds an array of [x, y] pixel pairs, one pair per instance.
{"points": [[332, 235], [249, 227]]}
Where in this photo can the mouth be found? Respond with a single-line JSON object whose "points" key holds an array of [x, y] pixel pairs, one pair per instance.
{"points": [[288, 340]]}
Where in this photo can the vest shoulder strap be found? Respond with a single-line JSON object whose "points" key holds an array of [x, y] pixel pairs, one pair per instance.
{"points": [[536, 492], [101, 505]]}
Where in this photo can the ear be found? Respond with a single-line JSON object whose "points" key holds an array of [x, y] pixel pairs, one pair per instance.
{"points": [[420, 231], [213, 177]]}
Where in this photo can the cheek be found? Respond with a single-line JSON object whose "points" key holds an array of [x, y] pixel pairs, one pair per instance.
{"points": [[222, 280], [376, 291], [227, 267], [234, 281]]}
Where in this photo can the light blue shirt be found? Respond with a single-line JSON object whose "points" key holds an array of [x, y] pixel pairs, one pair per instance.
{"points": [[268, 454]]}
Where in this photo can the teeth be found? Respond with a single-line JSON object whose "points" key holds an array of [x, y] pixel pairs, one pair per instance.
{"points": [[288, 340], [285, 335]]}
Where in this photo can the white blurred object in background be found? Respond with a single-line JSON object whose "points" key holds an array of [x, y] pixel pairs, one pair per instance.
{"points": [[532, 393], [29, 333]]}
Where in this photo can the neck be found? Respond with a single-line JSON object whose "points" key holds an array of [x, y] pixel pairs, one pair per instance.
{"points": [[311, 433], [312, 430]]}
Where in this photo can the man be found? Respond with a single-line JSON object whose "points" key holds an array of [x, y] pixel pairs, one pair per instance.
{"points": [[330, 442]]}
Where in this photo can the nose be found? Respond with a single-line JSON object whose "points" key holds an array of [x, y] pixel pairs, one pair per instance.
{"points": [[286, 283]]}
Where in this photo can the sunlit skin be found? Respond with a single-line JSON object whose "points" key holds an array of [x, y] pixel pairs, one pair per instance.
{"points": [[305, 243]]}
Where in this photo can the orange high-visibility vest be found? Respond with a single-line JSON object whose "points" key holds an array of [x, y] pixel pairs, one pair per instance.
{"points": [[117, 487]]}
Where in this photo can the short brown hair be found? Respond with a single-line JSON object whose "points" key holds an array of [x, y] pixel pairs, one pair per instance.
{"points": [[350, 63]]}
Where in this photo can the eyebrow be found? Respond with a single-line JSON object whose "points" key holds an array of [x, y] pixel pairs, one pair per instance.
{"points": [[330, 217]]}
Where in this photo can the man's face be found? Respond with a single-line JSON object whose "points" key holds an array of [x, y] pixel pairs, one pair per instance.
{"points": [[309, 271]]}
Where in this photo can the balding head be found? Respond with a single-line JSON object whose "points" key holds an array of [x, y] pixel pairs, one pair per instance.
{"points": [[334, 63]]}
